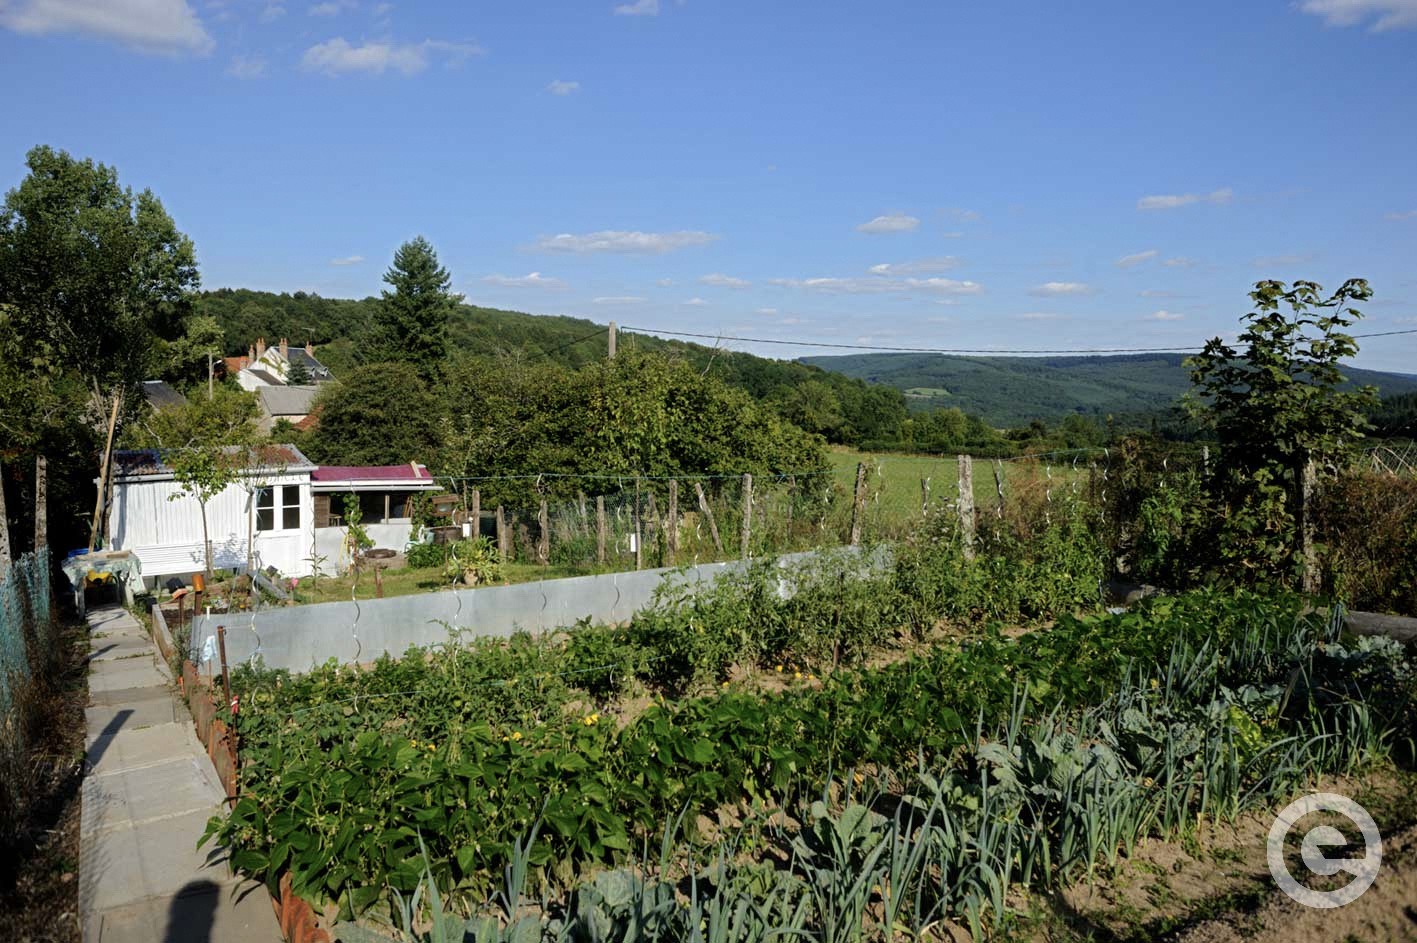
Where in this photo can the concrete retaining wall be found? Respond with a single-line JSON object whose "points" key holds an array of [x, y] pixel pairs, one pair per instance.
{"points": [[301, 637]]}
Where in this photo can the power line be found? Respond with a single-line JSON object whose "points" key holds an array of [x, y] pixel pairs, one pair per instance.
{"points": [[953, 350]]}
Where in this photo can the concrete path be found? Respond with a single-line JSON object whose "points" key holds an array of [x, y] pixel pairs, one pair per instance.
{"points": [[148, 791]]}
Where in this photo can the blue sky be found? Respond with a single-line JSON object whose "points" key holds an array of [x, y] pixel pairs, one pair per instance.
{"points": [[940, 174]]}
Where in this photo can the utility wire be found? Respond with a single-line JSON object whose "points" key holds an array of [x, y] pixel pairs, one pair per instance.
{"points": [[953, 350]]}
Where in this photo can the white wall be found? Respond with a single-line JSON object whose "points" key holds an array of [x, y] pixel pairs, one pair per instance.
{"points": [[329, 542], [166, 532]]}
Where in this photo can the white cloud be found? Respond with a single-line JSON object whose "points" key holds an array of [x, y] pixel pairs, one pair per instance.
{"points": [[158, 26], [942, 263], [1137, 258], [891, 222], [271, 13], [1059, 289], [613, 240], [1282, 260], [348, 260], [878, 285], [529, 280], [1040, 316], [329, 8], [665, 282], [1174, 201], [767, 311], [559, 87], [1409, 214], [1179, 261], [246, 67], [719, 280], [617, 300], [1165, 316], [337, 56], [695, 302], [1386, 14], [638, 8], [964, 215]]}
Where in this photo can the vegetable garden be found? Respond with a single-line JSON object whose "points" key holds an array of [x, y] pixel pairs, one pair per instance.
{"points": [[862, 754]]}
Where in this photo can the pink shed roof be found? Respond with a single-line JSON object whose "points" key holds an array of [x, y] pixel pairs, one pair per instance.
{"points": [[410, 472]]}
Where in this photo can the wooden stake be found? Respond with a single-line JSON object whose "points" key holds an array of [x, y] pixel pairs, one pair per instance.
{"points": [[585, 522], [708, 516], [966, 504], [745, 538], [476, 513], [41, 502], [671, 532], [600, 528], [924, 496], [1309, 559], [999, 488], [502, 535], [543, 523], [639, 536], [858, 504], [5, 556]]}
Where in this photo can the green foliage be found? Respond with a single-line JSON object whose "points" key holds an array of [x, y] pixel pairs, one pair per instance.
{"points": [[380, 414], [1276, 404], [298, 374], [226, 417], [189, 356], [474, 561], [422, 556], [357, 539], [412, 322]]}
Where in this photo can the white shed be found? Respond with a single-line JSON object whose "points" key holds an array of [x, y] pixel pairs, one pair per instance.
{"points": [[266, 516]]}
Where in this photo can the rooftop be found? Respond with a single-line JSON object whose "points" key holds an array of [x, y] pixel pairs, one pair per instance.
{"points": [[358, 477], [287, 400], [149, 463]]}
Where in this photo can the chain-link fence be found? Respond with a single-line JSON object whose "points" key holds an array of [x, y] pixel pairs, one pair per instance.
{"points": [[27, 639]]}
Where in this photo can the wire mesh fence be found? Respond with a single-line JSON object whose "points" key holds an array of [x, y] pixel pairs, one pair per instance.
{"points": [[26, 627]]}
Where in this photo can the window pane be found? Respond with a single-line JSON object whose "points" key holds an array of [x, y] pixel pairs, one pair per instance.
{"points": [[290, 516], [265, 518], [265, 497]]}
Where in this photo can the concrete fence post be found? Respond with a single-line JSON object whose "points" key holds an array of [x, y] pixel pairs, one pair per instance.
{"points": [[858, 504], [746, 535], [600, 528], [671, 543], [966, 505]]}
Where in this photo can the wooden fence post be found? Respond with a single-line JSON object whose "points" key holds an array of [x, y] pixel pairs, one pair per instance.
{"points": [[653, 529], [791, 502], [41, 502], [585, 521], [1308, 486], [966, 504], [746, 535], [502, 535], [543, 540], [600, 528], [708, 516], [476, 513], [924, 496], [858, 504], [671, 532]]}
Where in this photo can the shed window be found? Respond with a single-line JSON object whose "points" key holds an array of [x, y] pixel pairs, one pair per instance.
{"points": [[265, 509], [289, 508]]}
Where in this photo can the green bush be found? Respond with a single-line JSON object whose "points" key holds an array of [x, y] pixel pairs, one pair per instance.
{"points": [[422, 556]]}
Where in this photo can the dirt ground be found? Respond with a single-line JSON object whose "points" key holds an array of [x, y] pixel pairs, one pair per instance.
{"points": [[39, 873], [1215, 886]]}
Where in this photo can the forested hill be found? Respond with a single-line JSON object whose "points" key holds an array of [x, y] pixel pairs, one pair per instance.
{"points": [[842, 409], [1008, 391]]}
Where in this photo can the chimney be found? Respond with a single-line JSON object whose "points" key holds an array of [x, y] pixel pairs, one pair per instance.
{"points": [[284, 350], [260, 347]]}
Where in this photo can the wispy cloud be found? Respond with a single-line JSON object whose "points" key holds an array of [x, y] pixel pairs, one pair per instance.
{"points": [[271, 13], [529, 280], [1165, 316], [614, 240], [1180, 261], [964, 215], [617, 300], [1040, 316], [1175, 201], [348, 260], [246, 67], [940, 263], [1060, 289], [330, 8], [338, 56], [880, 285], [559, 87], [638, 8], [1137, 258], [719, 280], [695, 303], [154, 26], [1407, 214], [891, 222], [665, 282], [767, 312], [1385, 14]]}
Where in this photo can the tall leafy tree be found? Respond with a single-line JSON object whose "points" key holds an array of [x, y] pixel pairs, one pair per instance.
{"points": [[412, 323], [380, 414], [90, 274], [1277, 402]]}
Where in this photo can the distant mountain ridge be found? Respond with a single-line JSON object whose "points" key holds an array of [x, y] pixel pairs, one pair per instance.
{"points": [[1007, 391]]}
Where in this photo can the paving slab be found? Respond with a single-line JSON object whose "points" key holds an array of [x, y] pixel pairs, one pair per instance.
{"points": [[199, 913], [151, 859], [125, 673], [120, 646], [132, 709], [160, 789], [132, 747]]}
